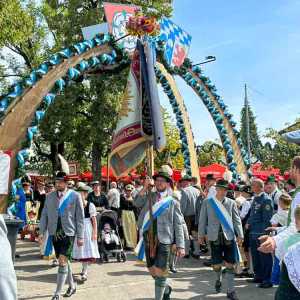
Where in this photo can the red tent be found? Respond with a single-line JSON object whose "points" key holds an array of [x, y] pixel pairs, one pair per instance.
{"points": [[216, 169], [263, 174]]}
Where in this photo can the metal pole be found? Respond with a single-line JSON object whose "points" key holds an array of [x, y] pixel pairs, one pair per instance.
{"points": [[247, 124], [107, 171]]}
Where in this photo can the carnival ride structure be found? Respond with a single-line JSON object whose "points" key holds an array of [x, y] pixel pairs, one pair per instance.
{"points": [[22, 109]]}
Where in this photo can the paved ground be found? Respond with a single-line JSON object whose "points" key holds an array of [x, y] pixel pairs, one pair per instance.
{"points": [[122, 281]]}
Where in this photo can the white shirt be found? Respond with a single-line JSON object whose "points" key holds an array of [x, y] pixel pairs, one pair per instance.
{"points": [[113, 197], [275, 196], [280, 218], [291, 229], [245, 208], [211, 192]]}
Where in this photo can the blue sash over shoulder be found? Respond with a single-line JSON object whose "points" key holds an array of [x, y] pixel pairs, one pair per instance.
{"points": [[65, 201], [226, 223], [158, 208]]}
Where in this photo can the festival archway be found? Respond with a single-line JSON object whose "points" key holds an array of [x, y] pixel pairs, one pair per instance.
{"points": [[23, 108]]}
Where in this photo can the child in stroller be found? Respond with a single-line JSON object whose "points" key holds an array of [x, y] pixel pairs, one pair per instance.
{"points": [[109, 241], [109, 236]]}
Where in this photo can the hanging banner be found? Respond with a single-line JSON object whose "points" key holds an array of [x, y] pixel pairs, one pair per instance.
{"points": [[117, 16], [177, 42], [130, 141], [5, 159]]}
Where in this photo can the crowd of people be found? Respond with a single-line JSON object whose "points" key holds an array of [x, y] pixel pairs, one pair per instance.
{"points": [[243, 229]]}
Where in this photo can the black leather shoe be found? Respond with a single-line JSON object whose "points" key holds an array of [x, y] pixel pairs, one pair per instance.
{"points": [[265, 285], [70, 292], [254, 280], [218, 286], [167, 296], [173, 270], [207, 263], [232, 295]]}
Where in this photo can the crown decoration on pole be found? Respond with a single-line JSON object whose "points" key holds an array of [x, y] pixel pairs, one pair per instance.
{"points": [[139, 25]]}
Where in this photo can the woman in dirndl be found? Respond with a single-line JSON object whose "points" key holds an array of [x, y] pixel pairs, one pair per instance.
{"points": [[289, 286], [88, 253], [128, 217]]}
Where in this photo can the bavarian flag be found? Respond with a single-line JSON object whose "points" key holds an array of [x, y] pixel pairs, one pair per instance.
{"points": [[140, 109]]}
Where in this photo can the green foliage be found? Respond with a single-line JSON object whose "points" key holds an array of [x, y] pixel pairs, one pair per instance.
{"points": [[255, 143], [278, 153], [82, 119], [210, 152], [172, 152]]}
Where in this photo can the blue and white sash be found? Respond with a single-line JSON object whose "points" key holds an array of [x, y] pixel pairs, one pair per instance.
{"points": [[158, 208], [226, 223], [65, 201]]}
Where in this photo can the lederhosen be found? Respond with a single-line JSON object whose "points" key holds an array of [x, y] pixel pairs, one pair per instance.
{"points": [[63, 244], [159, 254], [223, 250]]}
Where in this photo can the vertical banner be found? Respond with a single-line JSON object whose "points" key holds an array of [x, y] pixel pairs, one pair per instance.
{"points": [[117, 16], [5, 159], [177, 42], [129, 140]]}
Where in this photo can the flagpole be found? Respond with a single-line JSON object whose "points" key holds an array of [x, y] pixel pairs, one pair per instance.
{"points": [[247, 124]]}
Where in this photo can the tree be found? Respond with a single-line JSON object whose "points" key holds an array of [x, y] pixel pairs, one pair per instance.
{"points": [[278, 153], [255, 143], [210, 152], [79, 124], [172, 152]]}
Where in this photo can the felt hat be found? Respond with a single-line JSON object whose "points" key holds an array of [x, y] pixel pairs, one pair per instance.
{"points": [[129, 187], [164, 175], [60, 176], [96, 182], [246, 189], [71, 182], [82, 187], [26, 180], [210, 177], [271, 179], [186, 178], [290, 182], [222, 183]]}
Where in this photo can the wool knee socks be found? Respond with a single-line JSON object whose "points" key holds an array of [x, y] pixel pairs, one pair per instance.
{"points": [[70, 279], [160, 285], [61, 278], [230, 280]]}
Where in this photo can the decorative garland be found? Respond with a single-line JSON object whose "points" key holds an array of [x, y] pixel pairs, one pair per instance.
{"points": [[179, 120], [116, 55], [188, 73]]}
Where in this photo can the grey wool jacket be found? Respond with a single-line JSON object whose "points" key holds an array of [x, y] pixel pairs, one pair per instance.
{"points": [[8, 281], [169, 224], [209, 223], [188, 201], [72, 219]]}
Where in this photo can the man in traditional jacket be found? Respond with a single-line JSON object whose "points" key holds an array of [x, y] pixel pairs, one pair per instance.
{"points": [[63, 218], [220, 222], [161, 224]]}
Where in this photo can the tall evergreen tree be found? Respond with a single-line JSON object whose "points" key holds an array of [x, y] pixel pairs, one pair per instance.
{"points": [[255, 142]]}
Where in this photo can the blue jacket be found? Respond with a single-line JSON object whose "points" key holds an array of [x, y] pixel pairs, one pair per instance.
{"points": [[261, 213]]}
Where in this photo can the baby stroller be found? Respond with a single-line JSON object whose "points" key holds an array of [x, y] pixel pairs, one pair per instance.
{"points": [[109, 242]]}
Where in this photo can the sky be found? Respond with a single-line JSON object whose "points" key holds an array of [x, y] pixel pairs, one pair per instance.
{"points": [[255, 42]]}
